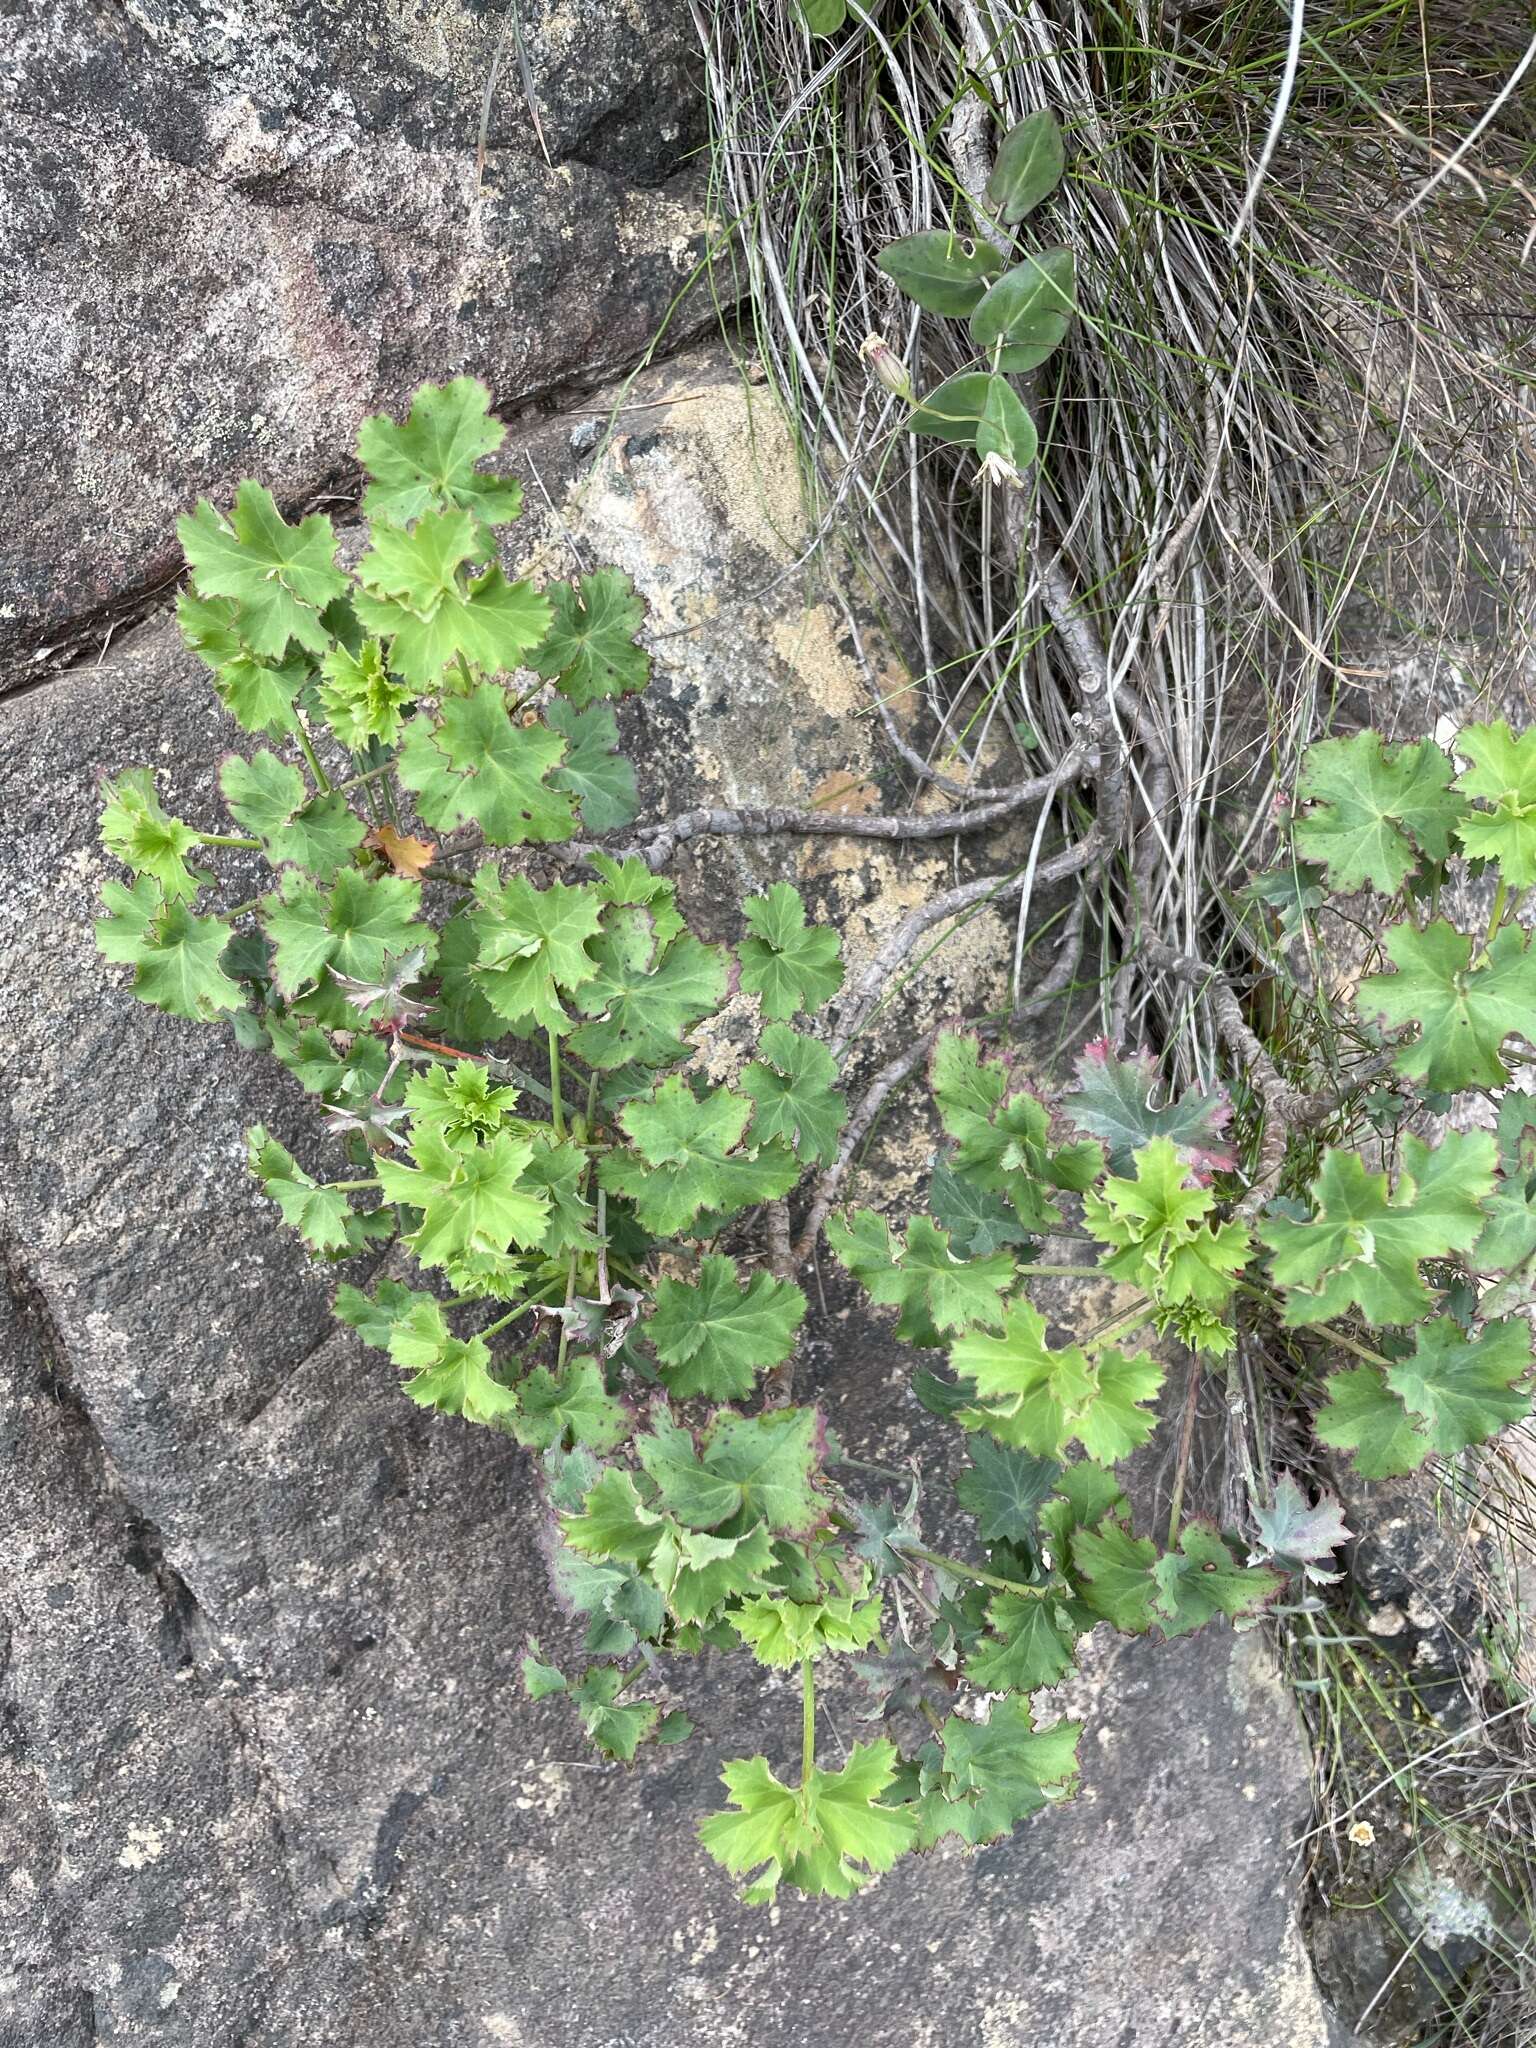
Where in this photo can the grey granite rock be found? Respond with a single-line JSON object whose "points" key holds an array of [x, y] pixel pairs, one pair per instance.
{"points": [[230, 235]]}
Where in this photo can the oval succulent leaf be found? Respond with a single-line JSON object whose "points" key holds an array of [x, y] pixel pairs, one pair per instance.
{"points": [[1028, 311], [822, 17], [1030, 161], [981, 411], [943, 272]]}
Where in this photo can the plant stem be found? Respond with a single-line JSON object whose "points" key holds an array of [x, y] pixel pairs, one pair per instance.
{"points": [[807, 1719], [1117, 1325], [636, 1670], [1060, 1272], [346, 1186], [1186, 1445], [306, 747], [501, 1322], [227, 839], [971, 1571], [556, 1104], [1496, 917], [1272, 1300], [357, 781]]}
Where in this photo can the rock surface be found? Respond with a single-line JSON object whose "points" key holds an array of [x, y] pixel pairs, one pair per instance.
{"points": [[232, 233], [268, 1774]]}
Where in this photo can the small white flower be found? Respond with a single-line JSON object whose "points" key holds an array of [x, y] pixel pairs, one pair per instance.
{"points": [[997, 469]]}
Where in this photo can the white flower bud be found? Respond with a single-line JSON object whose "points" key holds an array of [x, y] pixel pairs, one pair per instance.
{"points": [[886, 366]]}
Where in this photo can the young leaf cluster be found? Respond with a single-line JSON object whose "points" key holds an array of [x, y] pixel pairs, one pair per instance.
{"points": [[1017, 305]]}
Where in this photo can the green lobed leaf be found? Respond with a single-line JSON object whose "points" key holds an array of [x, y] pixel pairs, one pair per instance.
{"points": [[459, 1101], [175, 956], [992, 1774], [920, 1275], [826, 1839], [699, 1573], [600, 778], [374, 1316], [271, 799], [1158, 1238], [472, 1198], [617, 1730], [1031, 1645], [714, 1336], [650, 989], [533, 946], [1465, 1390], [1116, 1570], [1001, 1132], [571, 1406], [1509, 1237], [784, 1633], [588, 650], [354, 928], [415, 598], [792, 1096], [765, 1465], [144, 837], [685, 1158], [1464, 1012], [282, 577], [540, 1679], [1039, 1399], [427, 462], [884, 1534], [1363, 1415], [978, 1220], [614, 1522], [559, 1171], [459, 1382], [1362, 1245], [1004, 1489], [361, 700], [1202, 1578], [788, 964], [258, 694], [1375, 810], [321, 1215], [1503, 774], [475, 764]]}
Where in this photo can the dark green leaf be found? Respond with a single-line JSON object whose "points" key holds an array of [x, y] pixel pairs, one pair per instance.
{"points": [[943, 272], [1029, 165]]}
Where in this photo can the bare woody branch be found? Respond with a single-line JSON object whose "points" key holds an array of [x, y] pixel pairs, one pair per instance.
{"points": [[657, 844]]}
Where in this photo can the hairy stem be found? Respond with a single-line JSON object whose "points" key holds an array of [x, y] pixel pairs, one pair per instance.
{"points": [[961, 1570], [307, 748], [556, 1101], [807, 1719]]}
